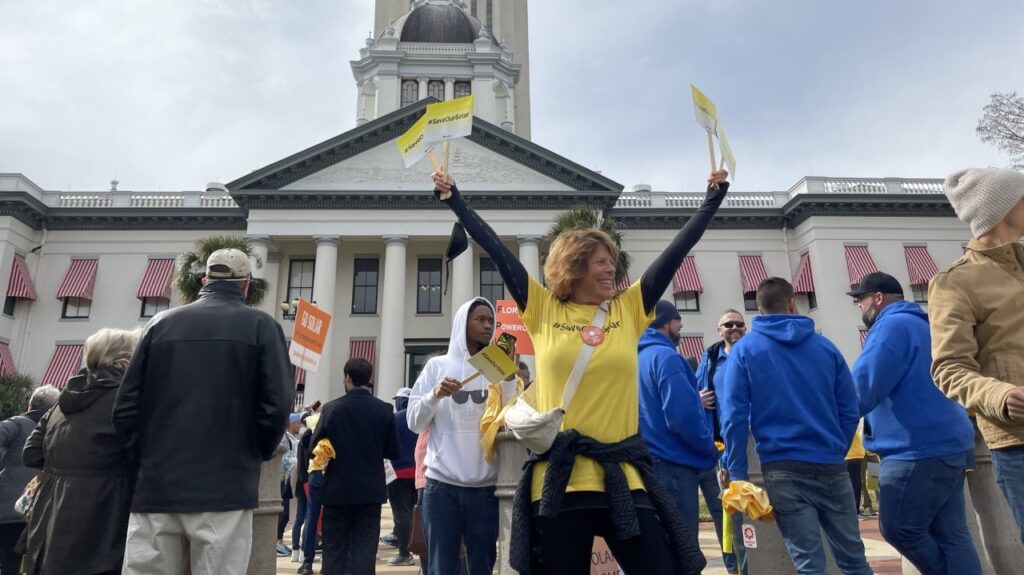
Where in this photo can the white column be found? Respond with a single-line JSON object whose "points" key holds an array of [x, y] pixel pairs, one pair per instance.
{"points": [[319, 385], [449, 89], [463, 280], [260, 248], [391, 352], [423, 87], [529, 255]]}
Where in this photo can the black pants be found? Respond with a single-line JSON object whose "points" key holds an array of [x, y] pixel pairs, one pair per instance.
{"points": [[350, 539], [853, 468], [10, 560], [282, 519], [562, 546], [402, 496]]}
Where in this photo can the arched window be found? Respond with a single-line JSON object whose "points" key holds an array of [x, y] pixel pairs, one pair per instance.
{"points": [[463, 89], [435, 89], [410, 92]]}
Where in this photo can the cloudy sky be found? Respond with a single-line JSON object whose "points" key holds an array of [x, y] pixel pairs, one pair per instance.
{"points": [[167, 95]]}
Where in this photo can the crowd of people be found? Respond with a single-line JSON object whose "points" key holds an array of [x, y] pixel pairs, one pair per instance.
{"points": [[148, 462]]}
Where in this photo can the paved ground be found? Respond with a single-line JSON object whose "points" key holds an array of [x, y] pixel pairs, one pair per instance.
{"points": [[883, 558]]}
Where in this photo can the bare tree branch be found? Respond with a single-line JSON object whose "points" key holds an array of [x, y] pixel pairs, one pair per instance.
{"points": [[1003, 126]]}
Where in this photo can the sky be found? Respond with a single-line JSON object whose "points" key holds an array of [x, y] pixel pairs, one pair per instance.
{"points": [[168, 95]]}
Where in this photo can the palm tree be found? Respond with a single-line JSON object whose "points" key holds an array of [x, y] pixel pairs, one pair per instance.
{"points": [[188, 278], [584, 217]]}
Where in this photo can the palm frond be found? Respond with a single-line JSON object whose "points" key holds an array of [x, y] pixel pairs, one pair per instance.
{"points": [[188, 278]]}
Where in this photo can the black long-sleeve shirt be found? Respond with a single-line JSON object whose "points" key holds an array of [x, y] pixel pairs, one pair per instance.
{"points": [[654, 281]]}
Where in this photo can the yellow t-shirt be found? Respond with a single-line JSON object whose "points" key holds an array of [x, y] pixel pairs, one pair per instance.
{"points": [[606, 404]]}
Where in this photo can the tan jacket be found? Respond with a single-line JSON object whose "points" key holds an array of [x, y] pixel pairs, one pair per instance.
{"points": [[976, 311]]}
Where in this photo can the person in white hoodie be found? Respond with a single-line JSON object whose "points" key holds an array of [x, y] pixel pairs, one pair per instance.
{"points": [[459, 504]]}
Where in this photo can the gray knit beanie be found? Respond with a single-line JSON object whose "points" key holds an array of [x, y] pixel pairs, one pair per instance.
{"points": [[982, 197]]}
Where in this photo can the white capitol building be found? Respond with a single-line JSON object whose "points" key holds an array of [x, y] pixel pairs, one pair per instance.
{"points": [[344, 224]]}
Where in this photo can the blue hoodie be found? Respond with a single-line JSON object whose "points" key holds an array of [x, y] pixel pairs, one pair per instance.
{"points": [[791, 388], [671, 415], [908, 417], [702, 380]]}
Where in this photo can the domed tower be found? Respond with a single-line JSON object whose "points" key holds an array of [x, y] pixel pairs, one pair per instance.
{"points": [[445, 49]]}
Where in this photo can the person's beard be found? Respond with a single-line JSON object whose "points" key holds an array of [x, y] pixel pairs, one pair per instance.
{"points": [[869, 316], [674, 338]]}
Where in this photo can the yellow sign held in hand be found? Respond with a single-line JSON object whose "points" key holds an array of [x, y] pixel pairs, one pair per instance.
{"points": [[494, 363], [707, 117]]}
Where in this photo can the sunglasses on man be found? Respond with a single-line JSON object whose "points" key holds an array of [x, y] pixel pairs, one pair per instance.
{"points": [[734, 325]]}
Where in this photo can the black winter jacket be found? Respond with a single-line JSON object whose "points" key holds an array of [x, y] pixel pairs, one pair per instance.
{"points": [[205, 400]]}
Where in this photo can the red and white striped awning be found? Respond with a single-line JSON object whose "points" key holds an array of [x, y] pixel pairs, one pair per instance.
{"points": [[21, 285], [920, 265], [859, 263], [692, 345], [803, 280], [66, 361], [623, 284], [79, 281], [156, 282], [687, 278], [863, 336], [363, 349], [6, 360], [752, 272]]}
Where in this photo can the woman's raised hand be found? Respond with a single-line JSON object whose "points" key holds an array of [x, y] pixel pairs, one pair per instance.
{"points": [[717, 178], [442, 185]]}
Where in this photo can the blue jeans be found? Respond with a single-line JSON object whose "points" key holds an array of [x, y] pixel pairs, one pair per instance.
{"points": [[708, 482], [300, 517], [681, 482], [1009, 467], [313, 507], [453, 516], [922, 514], [807, 504]]}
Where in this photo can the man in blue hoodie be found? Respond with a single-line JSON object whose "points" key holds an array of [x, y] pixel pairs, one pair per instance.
{"points": [[791, 389], [672, 418], [925, 440]]}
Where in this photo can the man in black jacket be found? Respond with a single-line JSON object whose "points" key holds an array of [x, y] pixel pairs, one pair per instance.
{"points": [[204, 402], [362, 430]]}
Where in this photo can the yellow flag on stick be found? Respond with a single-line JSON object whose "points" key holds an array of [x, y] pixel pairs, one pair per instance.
{"points": [[707, 113], [494, 363], [448, 120], [723, 144], [411, 145]]}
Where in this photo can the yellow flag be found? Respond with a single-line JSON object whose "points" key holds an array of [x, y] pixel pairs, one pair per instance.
{"points": [[723, 145], [493, 363], [707, 114], [411, 145], [448, 120]]}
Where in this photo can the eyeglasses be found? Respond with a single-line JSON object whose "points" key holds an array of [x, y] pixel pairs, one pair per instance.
{"points": [[733, 324], [479, 396]]}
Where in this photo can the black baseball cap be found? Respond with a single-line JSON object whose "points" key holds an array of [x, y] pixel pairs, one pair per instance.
{"points": [[877, 282]]}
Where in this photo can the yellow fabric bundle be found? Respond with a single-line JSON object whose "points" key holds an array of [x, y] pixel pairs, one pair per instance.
{"points": [[748, 498], [323, 453], [494, 416]]}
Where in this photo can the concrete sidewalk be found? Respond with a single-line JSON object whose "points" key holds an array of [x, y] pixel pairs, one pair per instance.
{"points": [[883, 558]]}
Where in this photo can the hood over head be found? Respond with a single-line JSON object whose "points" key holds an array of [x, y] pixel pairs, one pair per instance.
{"points": [[457, 347]]}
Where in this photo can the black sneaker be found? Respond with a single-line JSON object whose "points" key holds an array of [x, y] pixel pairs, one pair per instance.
{"points": [[305, 569]]}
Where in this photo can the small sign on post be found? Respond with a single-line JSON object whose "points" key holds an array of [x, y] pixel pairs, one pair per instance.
{"points": [[749, 536], [308, 336]]}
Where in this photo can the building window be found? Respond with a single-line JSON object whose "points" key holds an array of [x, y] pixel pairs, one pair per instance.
{"points": [[418, 356], [920, 293], [435, 89], [9, 304], [75, 308], [154, 305], [491, 287], [750, 301], [428, 286], [364, 285], [410, 92], [688, 301], [463, 89], [300, 282]]}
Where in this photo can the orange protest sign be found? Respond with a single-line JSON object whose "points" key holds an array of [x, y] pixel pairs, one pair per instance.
{"points": [[509, 321], [309, 336], [602, 562]]}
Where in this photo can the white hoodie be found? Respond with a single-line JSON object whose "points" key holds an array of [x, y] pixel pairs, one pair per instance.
{"points": [[454, 453]]}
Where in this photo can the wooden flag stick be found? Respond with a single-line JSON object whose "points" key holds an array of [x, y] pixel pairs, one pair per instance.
{"points": [[721, 165], [711, 150], [433, 160], [471, 378], [446, 157]]}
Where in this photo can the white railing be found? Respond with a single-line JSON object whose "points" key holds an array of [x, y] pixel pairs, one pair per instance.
{"points": [[85, 201], [694, 200], [158, 201], [138, 200], [217, 202], [894, 186], [424, 48], [922, 186], [846, 186]]}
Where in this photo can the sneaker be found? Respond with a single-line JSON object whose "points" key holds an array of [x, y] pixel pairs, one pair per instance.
{"points": [[389, 539], [402, 560], [297, 556], [283, 550], [305, 569]]}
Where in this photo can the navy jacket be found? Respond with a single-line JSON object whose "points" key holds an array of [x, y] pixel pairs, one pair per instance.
{"points": [[908, 417]]}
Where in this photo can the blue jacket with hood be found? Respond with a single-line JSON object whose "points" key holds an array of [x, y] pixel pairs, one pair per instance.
{"points": [[791, 388], [908, 418], [672, 420]]}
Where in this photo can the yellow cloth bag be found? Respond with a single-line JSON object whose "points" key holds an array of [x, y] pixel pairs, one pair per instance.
{"points": [[493, 418], [748, 498], [323, 453]]}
